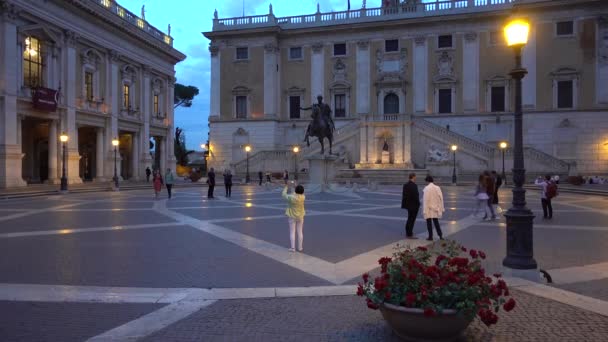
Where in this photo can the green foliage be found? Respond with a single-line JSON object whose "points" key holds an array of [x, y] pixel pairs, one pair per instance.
{"points": [[183, 95], [179, 147]]}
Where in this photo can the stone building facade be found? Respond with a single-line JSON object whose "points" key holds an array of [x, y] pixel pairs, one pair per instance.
{"points": [[417, 77], [93, 70]]}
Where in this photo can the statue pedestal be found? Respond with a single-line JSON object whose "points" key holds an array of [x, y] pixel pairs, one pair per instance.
{"points": [[386, 157], [321, 170]]}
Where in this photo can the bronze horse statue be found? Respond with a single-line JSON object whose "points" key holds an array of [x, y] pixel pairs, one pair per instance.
{"points": [[321, 126]]}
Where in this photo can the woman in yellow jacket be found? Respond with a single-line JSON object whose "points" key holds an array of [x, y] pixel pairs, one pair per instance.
{"points": [[295, 213]]}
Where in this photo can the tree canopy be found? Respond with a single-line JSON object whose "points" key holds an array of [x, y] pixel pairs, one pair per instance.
{"points": [[183, 95]]}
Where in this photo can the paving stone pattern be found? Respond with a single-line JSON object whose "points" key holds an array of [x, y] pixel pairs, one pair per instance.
{"points": [[348, 319], [64, 322], [595, 288]]}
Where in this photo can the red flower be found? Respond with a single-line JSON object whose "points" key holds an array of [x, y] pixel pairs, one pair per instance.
{"points": [[463, 249], [460, 262], [509, 305], [497, 275], [473, 254], [501, 284], [387, 295], [487, 317], [410, 298], [482, 254], [412, 276], [372, 305], [359, 290], [365, 277], [422, 248], [380, 284], [506, 292], [384, 263], [429, 312], [439, 259]]}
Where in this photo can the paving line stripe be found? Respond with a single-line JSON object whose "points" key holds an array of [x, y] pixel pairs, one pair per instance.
{"points": [[548, 226], [152, 322], [587, 208], [577, 274], [108, 209], [558, 295], [87, 230], [36, 211]]}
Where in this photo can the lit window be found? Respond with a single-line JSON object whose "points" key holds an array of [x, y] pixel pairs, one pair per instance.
{"points": [[391, 45], [88, 85], [294, 107], [106, 3], [156, 104], [340, 49], [32, 63], [241, 107], [295, 53], [564, 28], [444, 41], [242, 53], [120, 11], [140, 23], [340, 105], [126, 93]]}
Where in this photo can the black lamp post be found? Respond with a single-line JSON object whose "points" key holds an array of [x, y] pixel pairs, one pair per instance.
{"points": [[115, 144], [454, 148], [503, 147], [247, 150], [520, 224], [296, 149], [64, 181]]}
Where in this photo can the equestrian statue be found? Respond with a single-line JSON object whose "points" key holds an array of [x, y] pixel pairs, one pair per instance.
{"points": [[322, 126]]}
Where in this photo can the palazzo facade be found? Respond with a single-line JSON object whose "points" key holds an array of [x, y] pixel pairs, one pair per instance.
{"points": [[94, 71], [418, 78]]}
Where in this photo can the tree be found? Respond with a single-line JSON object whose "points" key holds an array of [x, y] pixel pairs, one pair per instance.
{"points": [[179, 148], [183, 95]]}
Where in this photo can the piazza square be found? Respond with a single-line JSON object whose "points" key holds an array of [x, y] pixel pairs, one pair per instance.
{"points": [[391, 170]]}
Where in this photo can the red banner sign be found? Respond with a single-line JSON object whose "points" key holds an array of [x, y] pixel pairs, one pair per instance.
{"points": [[45, 99]]}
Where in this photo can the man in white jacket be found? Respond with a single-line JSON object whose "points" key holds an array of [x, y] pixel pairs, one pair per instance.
{"points": [[432, 202]]}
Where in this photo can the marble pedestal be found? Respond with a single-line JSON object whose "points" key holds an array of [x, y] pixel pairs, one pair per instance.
{"points": [[386, 157], [321, 170]]}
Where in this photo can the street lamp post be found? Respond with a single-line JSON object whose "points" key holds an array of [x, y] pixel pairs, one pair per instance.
{"points": [[115, 144], [247, 150], [520, 240], [503, 146], [454, 148], [296, 149], [64, 181]]}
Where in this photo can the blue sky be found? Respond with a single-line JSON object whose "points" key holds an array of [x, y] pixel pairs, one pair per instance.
{"points": [[189, 19]]}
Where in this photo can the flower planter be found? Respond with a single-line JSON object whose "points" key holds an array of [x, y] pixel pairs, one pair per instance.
{"points": [[412, 325]]}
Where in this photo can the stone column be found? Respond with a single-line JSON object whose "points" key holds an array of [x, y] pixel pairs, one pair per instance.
{"points": [[99, 156], [53, 155], [69, 92], [420, 67], [135, 142], [470, 73], [163, 153], [10, 147], [147, 116], [601, 77], [270, 80], [171, 161], [215, 107], [529, 62], [114, 105], [363, 78], [317, 72]]}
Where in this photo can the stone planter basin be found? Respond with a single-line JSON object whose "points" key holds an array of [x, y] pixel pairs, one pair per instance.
{"points": [[410, 324]]}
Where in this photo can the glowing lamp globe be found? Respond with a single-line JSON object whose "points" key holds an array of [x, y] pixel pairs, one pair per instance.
{"points": [[516, 32]]}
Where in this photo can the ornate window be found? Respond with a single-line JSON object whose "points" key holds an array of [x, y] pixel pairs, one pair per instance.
{"points": [[158, 99], [88, 85], [497, 94], [391, 104], [340, 105], [128, 91], [497, 99], [91, 71], [156, 104], [444, 101], [241, 107], [391, 45], [295, 53], [445, 83], [340, 49], [444, 42], [126, 96], [32, 63], [565, 88], [564, 28]]}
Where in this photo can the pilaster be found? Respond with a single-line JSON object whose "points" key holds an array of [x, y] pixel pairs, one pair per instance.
{"points": [[270, 80], [317, 72], [529, 62], [363, 78], [470, 72], [601, 86], [421, 71], [53, 153], [214, 111], [99, 156], [69, 93]]}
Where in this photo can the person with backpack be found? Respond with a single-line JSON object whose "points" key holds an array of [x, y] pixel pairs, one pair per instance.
{"points": [[228, 183], [549, 191]]}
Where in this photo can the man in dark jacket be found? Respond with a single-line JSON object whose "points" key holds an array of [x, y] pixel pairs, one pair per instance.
{"points": [[211, 183], [498, 183], [261, 176], [411, 202]]}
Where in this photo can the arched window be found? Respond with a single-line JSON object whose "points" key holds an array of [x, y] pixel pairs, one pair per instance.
{"points": [[32, 63], [391, 104]]}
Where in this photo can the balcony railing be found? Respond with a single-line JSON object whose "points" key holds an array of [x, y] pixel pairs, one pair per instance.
{"points": [[438, 7], [132, 19]]}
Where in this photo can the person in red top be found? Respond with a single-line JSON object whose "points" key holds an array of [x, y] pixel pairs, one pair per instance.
{"points": [[157, 181]]}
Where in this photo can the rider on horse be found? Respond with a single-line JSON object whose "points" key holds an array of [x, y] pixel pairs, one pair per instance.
{"points": [[325, 112], [322, 125]]}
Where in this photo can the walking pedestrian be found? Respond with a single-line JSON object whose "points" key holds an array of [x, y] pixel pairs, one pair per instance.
{"points": [[432, 202], [490, 186], [410, 201], [481, 195], [549, 190], [499, 181], [268, 177], [169, 179], [295, 213], [286, 176], [157, 181], [148, 173], [211, 183], [228, 183], [261, 176]]}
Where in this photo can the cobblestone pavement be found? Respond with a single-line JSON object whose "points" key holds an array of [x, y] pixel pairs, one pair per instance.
{"points": [[348, 319], [129, 240]]}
